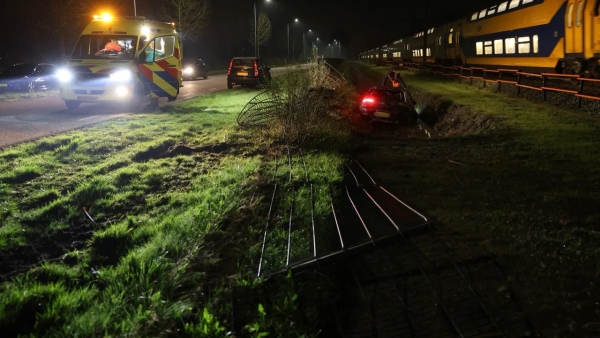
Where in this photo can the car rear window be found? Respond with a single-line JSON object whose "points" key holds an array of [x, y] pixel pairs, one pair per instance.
{"points": [[243, 62]]}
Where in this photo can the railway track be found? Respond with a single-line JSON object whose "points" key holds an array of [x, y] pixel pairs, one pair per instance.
{"points": [[392, 273]]}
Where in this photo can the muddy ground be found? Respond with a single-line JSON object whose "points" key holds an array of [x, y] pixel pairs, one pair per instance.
{"points": [[560, 301]]}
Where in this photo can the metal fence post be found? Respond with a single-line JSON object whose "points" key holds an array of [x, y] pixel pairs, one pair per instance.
{"points": [[580, 91], [544, 85], [518, 83], [471, 77]]}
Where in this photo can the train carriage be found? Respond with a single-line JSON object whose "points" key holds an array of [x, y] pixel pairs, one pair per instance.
{"points": [[561, 36], [395, 51]]}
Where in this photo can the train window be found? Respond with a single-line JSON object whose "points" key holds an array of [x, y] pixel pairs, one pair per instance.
{"points": [[510, 45], [479, 48], [488, 48], [450, 38], [492, 10], [570, 16], [524, 45], [527, 1], [514, 4], [482, 13], [502, 6], [474, 16], [498, 46], [428, 51], [535, 44], [440, 40], [579, 12]]}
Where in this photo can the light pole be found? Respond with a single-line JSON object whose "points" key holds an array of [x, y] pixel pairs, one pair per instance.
{"points": [[256, 51], [288, 36], [134, 9]]}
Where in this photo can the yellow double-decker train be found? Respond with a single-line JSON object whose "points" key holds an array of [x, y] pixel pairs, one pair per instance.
{"points": [[561, 36]]}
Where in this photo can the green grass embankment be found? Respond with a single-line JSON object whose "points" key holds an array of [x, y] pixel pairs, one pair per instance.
{"points": [[135, 226], [527, 189]]}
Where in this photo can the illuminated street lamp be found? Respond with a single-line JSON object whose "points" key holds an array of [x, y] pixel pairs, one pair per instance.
{"points": [[304, 43], [256, 31], [288, 36], [340, 48]]}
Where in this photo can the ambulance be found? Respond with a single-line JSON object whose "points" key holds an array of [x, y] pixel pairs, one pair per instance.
{"points": [[122, 60]]}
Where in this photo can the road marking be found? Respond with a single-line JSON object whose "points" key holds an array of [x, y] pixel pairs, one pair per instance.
{"points": [[212, 88], [87, 118]]}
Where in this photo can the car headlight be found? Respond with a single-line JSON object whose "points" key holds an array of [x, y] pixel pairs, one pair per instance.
{"points": [[121, 75], [188, 70], [64, 75]]}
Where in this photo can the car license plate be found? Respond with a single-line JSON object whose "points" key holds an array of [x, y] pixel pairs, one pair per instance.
{"points": [[87, 98], [242, 73], [3, 84], [382, 114]]}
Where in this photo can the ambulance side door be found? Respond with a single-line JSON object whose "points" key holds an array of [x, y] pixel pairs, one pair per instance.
{"points": [[160, 66]]}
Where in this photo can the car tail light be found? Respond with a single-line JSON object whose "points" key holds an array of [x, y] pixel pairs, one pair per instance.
{"points": [[255, 68], [230, 65], [367, 100]]}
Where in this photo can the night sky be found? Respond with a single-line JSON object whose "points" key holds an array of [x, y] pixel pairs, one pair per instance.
{"points": [[358, 24]]}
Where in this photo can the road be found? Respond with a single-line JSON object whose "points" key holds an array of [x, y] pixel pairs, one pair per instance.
{"points": [[28, 119]]}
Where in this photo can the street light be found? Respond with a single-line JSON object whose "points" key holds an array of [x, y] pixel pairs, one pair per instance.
{"points": [[304, 43], [288, 36], [256, 32], [340, 48]]}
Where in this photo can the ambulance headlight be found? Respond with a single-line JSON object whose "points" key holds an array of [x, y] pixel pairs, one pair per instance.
{"points": [[188, 70], [64, 75], [121, 75]]}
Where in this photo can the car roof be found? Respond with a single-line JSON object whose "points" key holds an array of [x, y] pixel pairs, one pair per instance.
{"points": [[246, 58]]}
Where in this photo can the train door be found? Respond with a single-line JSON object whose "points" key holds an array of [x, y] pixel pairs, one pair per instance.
{"points": [[457, 46], [574, 27], [594, 31], [450, 43]]}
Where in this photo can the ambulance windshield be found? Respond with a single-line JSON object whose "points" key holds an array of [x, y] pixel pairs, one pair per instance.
{"points": [[111, 47]]}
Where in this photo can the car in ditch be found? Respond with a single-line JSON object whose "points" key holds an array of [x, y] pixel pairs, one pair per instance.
{"points": [[388, 105]]}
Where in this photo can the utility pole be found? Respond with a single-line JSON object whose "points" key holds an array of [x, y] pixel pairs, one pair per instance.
{"points": [[134, 9], [303, 47], [425, 35], [255, 34], [288, 31]]}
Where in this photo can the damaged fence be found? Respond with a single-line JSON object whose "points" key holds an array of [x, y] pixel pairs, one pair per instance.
{"points": [[299, 94]]}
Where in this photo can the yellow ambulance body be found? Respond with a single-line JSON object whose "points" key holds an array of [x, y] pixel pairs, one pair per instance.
{"points": [[123, 60]]}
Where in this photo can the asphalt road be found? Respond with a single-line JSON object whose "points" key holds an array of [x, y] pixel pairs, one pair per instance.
{"points": [[28, 119]]}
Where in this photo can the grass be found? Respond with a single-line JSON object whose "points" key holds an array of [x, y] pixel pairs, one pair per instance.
{"points": [[528, 191], [4, 97], [133, 226]]}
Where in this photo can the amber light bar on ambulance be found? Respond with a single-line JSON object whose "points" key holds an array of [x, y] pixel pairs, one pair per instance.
{"points": [[104, 17]]}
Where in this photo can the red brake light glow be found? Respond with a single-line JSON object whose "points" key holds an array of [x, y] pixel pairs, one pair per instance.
{"points": [[368, 100], [230, 65], [255, 68]]}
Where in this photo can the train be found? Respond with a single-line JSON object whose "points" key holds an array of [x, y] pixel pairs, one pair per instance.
{"points": [[557, 36]]}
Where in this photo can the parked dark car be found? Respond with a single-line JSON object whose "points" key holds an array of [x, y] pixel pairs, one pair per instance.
{"points": [[247, 71], [29, 77], [388, 105], [193, 69]]}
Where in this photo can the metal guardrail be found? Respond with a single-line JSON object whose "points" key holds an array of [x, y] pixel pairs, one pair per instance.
{"points": [[572, 84]]}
